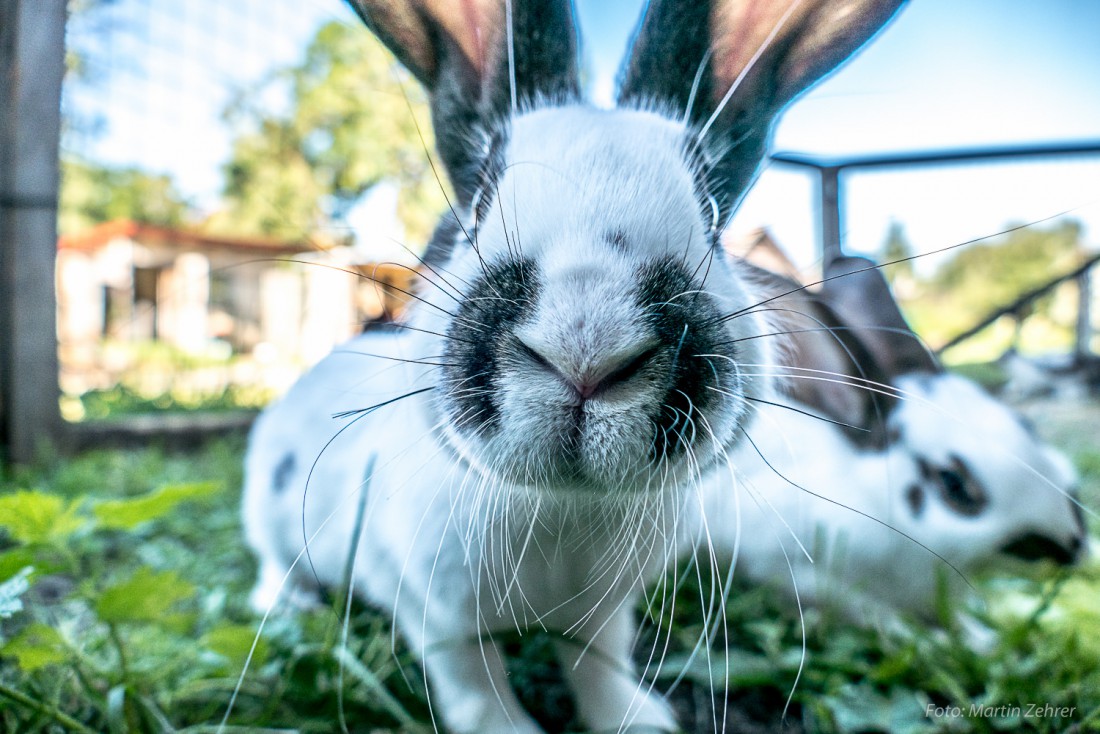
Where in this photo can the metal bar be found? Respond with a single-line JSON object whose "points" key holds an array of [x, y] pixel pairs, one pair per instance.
{"points": [[932, 157], [831, 247], [1020, 302], [32, 53]]}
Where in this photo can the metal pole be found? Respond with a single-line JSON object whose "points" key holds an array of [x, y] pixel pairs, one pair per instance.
{"points": [[830, 215], [32, 63]]}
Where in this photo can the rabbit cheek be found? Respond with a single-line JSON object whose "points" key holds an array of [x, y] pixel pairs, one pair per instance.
{"points": [[477, 340], [694, 398]]}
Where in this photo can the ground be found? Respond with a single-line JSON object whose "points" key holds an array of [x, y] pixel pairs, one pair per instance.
{"points": [[135, 620]]}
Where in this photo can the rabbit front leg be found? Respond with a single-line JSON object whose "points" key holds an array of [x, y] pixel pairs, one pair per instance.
{"points": [[610, 695], [469, 690], [467, 682]]}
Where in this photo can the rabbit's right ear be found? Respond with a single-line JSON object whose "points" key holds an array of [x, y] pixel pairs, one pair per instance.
{"points": [[858, 293], [476, 70], [729, 67]]}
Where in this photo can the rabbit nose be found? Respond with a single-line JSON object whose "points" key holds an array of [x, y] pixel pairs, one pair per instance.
{"points": [[599, 372]]}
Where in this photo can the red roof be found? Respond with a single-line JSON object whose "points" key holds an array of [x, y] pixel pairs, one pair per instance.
{"points": [[101, 234]]}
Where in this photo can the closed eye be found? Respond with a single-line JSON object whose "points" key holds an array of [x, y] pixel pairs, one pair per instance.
{"points": [[534, 356], [632, 367]]}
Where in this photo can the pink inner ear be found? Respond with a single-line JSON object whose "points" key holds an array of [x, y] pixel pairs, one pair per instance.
{"points": [[739, 28], [477, 26], [817, 36]]}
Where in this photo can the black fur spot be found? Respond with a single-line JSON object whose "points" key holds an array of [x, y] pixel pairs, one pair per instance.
{"points": [[284, 470], [617, 239], [915, 498], [1036, 547], [685, 321], [483, 329]]}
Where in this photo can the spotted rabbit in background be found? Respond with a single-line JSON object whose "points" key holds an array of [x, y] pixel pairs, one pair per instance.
{"points": [[574, 364], [916, 473]]}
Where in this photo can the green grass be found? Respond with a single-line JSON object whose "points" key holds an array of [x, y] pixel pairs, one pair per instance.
{"points": [[135, 620]]}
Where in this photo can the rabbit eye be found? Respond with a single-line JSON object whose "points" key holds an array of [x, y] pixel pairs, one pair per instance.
{"points": [[960, 490]]}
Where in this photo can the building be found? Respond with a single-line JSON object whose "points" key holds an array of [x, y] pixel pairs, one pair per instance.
{"points": [[230, 309]]}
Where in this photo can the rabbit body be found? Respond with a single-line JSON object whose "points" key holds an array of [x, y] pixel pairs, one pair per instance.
{"points": [[880, 533], [465, 534], [451, 557], [582, 353], [880, 474]]}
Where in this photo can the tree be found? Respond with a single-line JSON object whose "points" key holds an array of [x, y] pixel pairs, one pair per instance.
{"points": [[988, 275], [348, 125], [92, 193], [895, 248]]}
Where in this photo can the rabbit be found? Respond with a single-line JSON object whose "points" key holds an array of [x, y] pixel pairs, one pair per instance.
{"points": [[914, 474], [527, 451]]}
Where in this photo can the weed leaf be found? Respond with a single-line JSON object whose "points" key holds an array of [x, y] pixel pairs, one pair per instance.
{"points": [[146, 597], [126, 514]]}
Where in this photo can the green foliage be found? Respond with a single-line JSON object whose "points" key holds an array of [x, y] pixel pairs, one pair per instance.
{"points": [[92, 193], [989, 375], [354, 119], [980, 278], [147, 596], [33, 517], [135, 621], [37, 646], [128, 513]]}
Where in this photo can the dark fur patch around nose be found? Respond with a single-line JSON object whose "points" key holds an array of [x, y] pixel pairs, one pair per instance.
{"points": [[482, 330], [685, 322], [1036, 547]]}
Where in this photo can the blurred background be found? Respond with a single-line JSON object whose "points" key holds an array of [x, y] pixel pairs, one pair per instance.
{"points": [[243, 185], [228, 171]]}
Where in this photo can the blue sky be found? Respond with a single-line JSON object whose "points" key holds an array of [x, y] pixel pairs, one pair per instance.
{"points": [[945, 74]]}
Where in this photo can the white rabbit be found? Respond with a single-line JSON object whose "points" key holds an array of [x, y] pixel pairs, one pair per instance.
{"points": [[572, 366], [927, 476]]}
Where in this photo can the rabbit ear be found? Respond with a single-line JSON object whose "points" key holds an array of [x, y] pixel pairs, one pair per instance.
{"points": [[459, 50], [832, 371], [731, 66], [856, 290], [863, 400]]}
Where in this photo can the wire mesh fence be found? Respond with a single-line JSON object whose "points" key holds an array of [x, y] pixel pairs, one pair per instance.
{"points": [[238, 176]]}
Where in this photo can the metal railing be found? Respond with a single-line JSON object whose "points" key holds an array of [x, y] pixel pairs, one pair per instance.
{"points": [[831, 201]]}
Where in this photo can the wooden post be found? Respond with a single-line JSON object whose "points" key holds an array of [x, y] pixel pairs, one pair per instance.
{"points": [[32, 63], [830, 215]]}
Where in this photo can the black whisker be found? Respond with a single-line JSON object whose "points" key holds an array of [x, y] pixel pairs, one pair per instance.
{"points": [[805, 413], [360, 412]]}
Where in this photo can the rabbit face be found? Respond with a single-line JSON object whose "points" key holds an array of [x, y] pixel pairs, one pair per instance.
{"points": [[982, 478], [595, 357]]}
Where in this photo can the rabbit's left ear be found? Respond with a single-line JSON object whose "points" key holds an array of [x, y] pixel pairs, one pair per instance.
{"points": [[741, 61], [477, 58], [860, 296]]}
